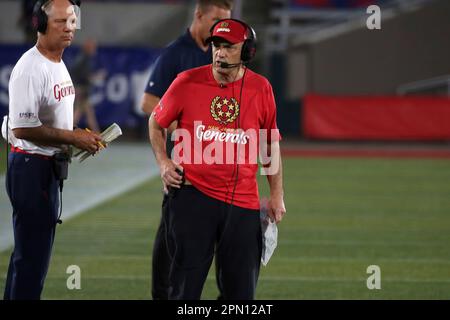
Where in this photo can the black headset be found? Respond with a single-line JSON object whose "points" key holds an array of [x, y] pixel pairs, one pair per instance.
{"points": [[40, 19], [249, 47]]}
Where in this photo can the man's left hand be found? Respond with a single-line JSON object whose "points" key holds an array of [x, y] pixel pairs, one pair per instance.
{"points": [[276, 208]]}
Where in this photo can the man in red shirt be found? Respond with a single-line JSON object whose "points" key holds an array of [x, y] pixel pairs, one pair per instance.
{"points": [[189, 51], [225, 114]]}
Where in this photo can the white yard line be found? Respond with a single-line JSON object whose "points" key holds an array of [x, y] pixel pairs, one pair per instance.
{"points": [[114, 171]]}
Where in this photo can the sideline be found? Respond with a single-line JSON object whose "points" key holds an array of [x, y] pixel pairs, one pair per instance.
{"points": [[119, 168]]}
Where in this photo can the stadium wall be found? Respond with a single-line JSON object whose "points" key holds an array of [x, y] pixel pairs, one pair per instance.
{"points": [[376, 118], [410, 47]]}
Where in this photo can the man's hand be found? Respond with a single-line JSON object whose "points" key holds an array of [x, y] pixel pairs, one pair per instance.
{"points": [[49, 136], [275, 178], [276, 208], [167, 167], [86, 140], [169, 176]]}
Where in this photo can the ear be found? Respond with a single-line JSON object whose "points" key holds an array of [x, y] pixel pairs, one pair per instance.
{"points": [[198, 13]]}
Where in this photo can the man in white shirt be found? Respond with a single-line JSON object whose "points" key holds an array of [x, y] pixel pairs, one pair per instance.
{"points": [[40, 128]]}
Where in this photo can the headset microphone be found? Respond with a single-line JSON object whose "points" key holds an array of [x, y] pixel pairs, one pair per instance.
{"points": [[229, 65]]}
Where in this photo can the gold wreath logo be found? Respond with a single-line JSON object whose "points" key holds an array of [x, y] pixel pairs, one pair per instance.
{"points": [[224, 111], [224, 25]]}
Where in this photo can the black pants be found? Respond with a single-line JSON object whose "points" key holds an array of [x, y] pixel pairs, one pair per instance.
{"points": [[32, 189], [199, 227], [161, 260]]}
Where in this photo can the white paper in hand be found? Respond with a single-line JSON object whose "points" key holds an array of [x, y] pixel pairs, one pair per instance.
{"points": [[269, 233], [108, 135], [111, 133]]}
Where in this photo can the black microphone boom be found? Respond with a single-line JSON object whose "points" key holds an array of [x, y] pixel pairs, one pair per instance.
{"points": [[229, 65]]}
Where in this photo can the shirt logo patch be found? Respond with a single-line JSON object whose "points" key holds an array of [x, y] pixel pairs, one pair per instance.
{"points": [[61, 91], [224, 111], [27, 115], [223, 30]]}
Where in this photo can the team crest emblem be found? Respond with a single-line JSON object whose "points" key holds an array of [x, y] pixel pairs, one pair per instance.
{"points": [[224, 25], [224, 111]]}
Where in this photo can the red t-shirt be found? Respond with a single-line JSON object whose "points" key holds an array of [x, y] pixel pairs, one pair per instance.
{"points": [[217, 125]]}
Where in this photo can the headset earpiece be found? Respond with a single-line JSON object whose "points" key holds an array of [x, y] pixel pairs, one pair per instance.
{"points": [[40, 18], [249, 47]]}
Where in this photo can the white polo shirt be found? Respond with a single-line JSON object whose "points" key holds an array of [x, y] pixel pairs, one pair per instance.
{"points": [[41, 92]]}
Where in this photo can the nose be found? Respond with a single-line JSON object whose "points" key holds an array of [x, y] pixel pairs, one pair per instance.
{"points": [[220, 52], [70, 27]]}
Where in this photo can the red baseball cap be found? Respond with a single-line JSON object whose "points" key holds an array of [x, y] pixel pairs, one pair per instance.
{"points": [[230, 30]]}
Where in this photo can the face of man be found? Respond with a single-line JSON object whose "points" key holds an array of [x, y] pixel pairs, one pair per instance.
{"points": [[210, 16], [224, 51], [61, 24]]}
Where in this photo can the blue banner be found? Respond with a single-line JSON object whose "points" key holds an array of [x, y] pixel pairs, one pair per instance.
{"points": [[116, 95]]}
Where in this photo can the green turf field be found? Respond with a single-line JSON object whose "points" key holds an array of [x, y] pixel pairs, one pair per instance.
{"points": [[343, 215], [2, 157]]}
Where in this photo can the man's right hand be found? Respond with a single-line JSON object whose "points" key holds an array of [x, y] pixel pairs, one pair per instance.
{"points": [[86, 140], [169, 176]]}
